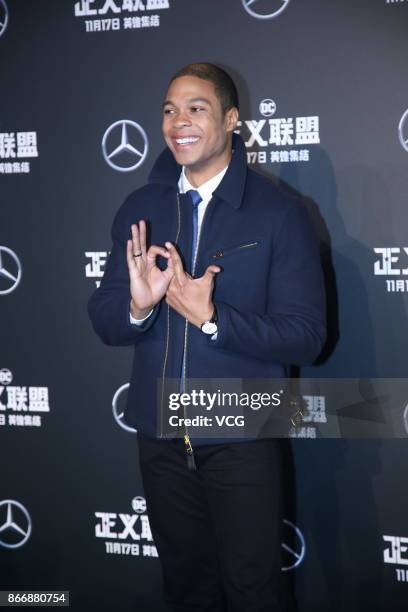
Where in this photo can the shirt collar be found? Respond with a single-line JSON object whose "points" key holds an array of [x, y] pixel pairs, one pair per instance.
{"points": [[206, 189], [166, 171]]}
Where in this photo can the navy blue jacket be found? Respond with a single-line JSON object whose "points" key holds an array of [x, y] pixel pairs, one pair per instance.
{"points": [[269, 295]]}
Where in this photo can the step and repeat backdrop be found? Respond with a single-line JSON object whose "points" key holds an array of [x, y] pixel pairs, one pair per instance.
{"points": [[324, 112]]}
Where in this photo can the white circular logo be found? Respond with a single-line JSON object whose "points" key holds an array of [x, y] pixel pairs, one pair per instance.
{"points": [[15, 524], [295, 547], [139, 504], [6, 376], [264, 9], [406, 418], [403, 130], [125, 145], [3, 16], [267, 107], [10, 270], [118, 413]]}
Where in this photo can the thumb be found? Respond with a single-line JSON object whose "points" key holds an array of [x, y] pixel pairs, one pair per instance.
{"points": [[211, 271]]}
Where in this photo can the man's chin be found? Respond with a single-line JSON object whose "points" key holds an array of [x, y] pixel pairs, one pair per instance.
{"points": [[184, 159]]}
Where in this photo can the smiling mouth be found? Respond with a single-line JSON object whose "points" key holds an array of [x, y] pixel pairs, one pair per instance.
{"points": [[185, 141]]}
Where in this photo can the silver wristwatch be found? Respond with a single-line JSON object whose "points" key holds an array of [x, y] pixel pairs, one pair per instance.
{"points": [[210, 327]]}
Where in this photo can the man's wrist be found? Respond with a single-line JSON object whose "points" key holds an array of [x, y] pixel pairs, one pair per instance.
{"points": [[204, 318], [137, 313]]}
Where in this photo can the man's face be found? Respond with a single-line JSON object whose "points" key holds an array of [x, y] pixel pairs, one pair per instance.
{"points": [[194, 127]]}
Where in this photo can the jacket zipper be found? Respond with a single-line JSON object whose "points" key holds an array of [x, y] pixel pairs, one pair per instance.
{"points": [[224, 252], [166, 352]]}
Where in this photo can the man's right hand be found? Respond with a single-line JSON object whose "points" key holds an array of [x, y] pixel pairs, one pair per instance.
{"points": [[148, 284]]}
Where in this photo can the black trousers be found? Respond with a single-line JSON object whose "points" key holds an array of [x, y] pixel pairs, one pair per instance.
{"points": [[218, 529]]}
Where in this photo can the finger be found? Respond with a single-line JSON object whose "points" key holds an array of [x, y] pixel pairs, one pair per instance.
{"points": [[154, 251], [133, 262], [136, 238], [142, 236], [177, 263], [170, 268], [210, 272], [129, 255]]}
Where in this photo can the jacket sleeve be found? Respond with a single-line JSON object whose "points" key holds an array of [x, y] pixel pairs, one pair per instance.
{"points": [[293, 330], [109, 305]]}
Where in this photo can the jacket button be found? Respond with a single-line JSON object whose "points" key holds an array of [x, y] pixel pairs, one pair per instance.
{"points": [[218, 254]]}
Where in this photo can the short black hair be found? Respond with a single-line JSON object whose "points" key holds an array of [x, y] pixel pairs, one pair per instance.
{"points": [[224, 86]]}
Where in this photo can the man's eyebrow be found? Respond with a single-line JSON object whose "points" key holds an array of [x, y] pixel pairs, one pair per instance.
{"points": [[200, 100], [166, 102]]}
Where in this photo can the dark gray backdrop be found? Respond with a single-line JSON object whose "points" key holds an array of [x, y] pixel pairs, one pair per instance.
{"points": [[341, 61]]}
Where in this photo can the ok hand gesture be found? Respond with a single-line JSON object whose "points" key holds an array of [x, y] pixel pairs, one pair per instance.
{"points": [[190, 297], [148, 284]]}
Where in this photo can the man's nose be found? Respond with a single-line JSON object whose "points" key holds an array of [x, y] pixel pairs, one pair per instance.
{"points": [[181, 120]]}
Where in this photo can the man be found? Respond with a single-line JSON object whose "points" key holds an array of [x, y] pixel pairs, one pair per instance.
{"points": [[230, 286]]}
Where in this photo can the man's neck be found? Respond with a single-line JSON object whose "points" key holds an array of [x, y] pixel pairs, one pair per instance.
{"points": [[198, 176]]}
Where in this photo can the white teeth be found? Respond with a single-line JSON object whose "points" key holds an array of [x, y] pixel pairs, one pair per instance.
{"points": [[186, 140]]}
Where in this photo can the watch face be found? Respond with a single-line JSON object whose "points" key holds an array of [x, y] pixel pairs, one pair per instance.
{"points": [[209, 328]]}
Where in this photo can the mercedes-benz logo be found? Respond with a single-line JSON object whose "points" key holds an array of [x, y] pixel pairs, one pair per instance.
{"points": [[10, 270], [139, 504], [15, 524], [264, 9], [117, 413], [3, 16], [125, 145], [403, 130], [296, 553], [267, 107], [405, 417]]}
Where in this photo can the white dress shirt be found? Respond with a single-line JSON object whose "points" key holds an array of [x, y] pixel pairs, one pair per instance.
{"points": [[205, 190]]}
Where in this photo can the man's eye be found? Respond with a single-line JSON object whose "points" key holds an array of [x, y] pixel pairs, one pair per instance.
{"points": [[196, 108], [167, 111]]}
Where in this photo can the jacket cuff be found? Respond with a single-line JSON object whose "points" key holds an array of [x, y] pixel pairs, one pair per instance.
{"points": [[139, 321], [144, 324]]}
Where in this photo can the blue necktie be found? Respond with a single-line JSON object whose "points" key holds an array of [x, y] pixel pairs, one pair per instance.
{"points": [[195, 199]]}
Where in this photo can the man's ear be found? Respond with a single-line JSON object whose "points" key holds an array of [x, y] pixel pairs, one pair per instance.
{"points": [[231, 119]]}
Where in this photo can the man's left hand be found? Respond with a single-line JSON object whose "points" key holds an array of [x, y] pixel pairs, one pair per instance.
{"points": [[190, 297]]}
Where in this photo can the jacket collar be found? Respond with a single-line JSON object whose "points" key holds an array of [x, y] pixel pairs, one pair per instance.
{"points": [[166, 171]]}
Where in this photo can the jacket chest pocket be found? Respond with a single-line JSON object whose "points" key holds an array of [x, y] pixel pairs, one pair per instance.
{"points": [[242, 247]]}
